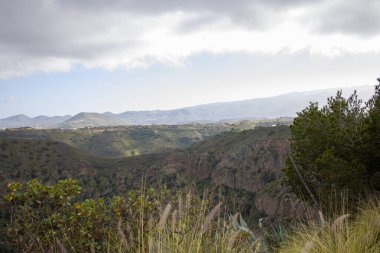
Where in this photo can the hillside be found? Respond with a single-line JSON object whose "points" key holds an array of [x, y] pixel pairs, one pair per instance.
{"points": [[86, 119], [131, 140], [242, 163], [23, 159]]}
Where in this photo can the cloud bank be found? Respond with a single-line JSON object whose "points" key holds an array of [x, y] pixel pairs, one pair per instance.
{"points": [[55, 35]]}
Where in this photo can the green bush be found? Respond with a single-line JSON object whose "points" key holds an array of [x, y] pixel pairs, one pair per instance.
{"points": [[336, 148], [51, 219]]}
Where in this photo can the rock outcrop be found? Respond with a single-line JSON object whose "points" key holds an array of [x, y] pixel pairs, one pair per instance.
{"points": [[276, 201], [253, 164]]}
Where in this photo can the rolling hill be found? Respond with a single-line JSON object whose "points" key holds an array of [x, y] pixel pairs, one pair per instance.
{"points": [[86, 119], [124, 141]]}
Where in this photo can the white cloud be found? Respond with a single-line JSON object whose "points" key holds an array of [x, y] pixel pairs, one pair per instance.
{"points": [[49, 36]]}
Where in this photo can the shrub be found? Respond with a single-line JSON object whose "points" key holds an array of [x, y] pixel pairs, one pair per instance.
{"points": [[51, 219], [336, 147]]}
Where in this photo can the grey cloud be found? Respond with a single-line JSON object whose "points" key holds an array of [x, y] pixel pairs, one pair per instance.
{"points": [[86, 30], [37, 28], [154, 6], [251, 13], [61, 28], [357, 17]]}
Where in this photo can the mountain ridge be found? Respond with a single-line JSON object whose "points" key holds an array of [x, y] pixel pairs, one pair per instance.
{"points": [[285, 105]]}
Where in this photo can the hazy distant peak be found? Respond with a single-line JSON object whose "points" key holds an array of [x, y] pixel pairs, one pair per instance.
{"points": [[87, 119], [18, 117], [285, 105]]}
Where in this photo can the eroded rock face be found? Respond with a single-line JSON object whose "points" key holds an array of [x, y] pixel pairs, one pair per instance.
{"points": [[190, 164], [85, 169], [248, 167], [254, 165], [276, 201], [251, 167]]}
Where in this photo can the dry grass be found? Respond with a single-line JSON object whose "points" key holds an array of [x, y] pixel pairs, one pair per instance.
{"points": [[195, 229], [189, 223], [344, 234]]}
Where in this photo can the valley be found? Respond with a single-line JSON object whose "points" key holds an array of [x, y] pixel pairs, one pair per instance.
{"points": [[87, 175], [239, 162], [121, 141], [189, 126]]}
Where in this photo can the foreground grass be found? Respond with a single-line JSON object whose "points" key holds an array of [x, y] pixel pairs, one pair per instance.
{"points": [[47, 218], [50, 219], [344, 234]]}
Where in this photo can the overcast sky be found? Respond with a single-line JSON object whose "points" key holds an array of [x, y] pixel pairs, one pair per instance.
{"points": [[65, 56]]}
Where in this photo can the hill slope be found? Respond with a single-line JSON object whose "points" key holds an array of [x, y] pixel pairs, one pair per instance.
{"points": [[241, 163], [130, 140], [86, 119]]}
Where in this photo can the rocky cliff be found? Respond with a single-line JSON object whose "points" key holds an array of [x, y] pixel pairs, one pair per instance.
{"points": [[250, 161], [276, 200]]}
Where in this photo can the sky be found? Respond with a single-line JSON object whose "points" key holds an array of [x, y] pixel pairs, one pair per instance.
{"points": [[60, 57]]}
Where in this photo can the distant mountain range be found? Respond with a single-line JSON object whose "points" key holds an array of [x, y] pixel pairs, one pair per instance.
{"points": [[270, 107], [22, 120]]}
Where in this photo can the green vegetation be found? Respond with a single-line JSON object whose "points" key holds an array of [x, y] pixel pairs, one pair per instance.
{"points": [[50, 161], [23, 159], [122, 141], [51, 218], [183, 200], [125, 141], [336, 148], [48, 219]]}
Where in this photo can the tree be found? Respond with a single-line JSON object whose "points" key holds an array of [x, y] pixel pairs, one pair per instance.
{"points": [[335, 148], [371, 139]]}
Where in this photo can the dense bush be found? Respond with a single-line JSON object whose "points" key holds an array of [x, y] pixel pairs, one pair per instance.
{"points": [[48, 216], [50, 219], [336, 148]]}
